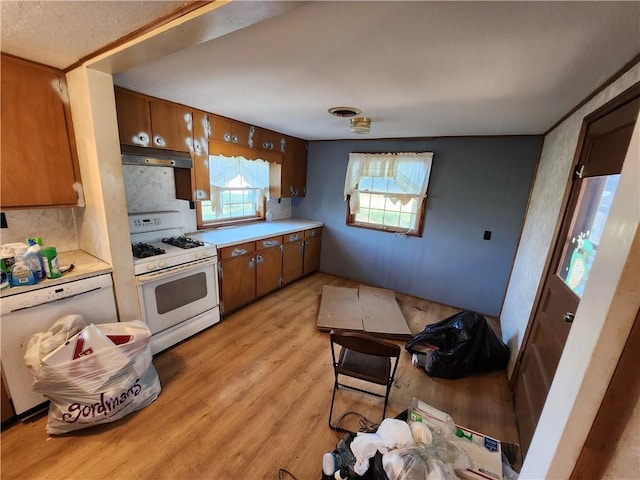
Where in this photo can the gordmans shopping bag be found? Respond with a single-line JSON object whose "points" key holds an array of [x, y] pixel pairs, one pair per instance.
{"points": [[93, 376]]}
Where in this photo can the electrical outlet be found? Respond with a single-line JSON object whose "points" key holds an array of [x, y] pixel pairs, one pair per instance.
{"points": [[487, 235], [3, 220]]}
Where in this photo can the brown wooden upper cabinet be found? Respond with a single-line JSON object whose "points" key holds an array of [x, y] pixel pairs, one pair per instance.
{"points": [[294, 168], [194, 184], [150, 122], [39, 165], [263, 139], [227, 130], [134, 118], [171, 126], [201, 134]]}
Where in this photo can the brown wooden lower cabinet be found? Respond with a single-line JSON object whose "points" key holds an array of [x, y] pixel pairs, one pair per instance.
{"points": [[312, 241], [268, 265], [236, 272], [292, 257], [251, 270]]}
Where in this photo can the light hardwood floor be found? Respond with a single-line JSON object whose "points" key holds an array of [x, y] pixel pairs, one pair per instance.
{"points": [[247, 397]]}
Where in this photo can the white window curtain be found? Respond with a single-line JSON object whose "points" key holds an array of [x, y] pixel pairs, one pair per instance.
{"points": [[410, 172], [237, 172]]}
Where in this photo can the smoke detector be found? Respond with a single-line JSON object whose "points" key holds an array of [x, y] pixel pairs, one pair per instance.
{"points": [[344, 111]]}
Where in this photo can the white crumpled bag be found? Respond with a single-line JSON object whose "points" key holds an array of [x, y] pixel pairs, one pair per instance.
{"points": [[98, 387], [391, 434]]}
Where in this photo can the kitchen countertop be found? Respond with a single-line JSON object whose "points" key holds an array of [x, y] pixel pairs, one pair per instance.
{"points": [[226, 236], [85, 265]]}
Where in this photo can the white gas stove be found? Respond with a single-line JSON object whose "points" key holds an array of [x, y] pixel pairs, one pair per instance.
{"points": [[157, 242], [176, 277]]}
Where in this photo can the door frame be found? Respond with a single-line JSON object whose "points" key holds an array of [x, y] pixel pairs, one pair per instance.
{"points": [[569, 199]]}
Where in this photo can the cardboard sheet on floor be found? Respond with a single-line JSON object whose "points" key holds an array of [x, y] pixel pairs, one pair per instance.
{"points": [[369, 309]]}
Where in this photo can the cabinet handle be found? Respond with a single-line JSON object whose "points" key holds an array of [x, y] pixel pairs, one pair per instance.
{"points": [[270, 243], [259, 259], [312, 233], [158, 140], [252, 262], [302, 244], [227, 137], [283, 143], [293, 237], [238, 252], [234, 139]]}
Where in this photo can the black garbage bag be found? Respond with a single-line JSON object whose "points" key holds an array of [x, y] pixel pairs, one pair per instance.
{"points": [[461, 344]]}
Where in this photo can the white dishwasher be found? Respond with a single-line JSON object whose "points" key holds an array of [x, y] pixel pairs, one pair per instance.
{"points": [[25, 314]]}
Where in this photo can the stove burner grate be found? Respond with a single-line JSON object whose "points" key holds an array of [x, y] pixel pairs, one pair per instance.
{"points": [[144, 250], [183, 242]]}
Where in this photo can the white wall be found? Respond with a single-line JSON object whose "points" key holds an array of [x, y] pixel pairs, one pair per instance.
{"points": [[543, 216], [602, 324]]}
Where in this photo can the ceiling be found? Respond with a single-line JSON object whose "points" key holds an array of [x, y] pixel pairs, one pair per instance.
{"points": [[417, 68]]}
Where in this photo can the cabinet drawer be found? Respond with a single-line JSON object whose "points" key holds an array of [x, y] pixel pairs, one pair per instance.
{"points": [[313, 232], [236, 250], [268, 242], [293, 237]]}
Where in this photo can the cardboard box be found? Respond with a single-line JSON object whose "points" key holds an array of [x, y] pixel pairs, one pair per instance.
{"points": [[485, 453]]}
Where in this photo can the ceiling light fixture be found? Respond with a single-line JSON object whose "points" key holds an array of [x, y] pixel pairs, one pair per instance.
{"points": [[360, 125], [344, 111]]}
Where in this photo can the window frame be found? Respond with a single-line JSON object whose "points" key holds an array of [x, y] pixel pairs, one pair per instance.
{"points": [[421, 211], [234, 150], [202, 225]]}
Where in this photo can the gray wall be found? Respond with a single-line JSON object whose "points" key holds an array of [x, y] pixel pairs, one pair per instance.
{"points": [[477, 184]]}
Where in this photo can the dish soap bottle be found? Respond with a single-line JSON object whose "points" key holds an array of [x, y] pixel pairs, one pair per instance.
{"points": [[21, 273]]}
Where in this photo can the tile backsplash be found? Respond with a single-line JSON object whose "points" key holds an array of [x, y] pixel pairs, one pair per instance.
{"points": [[56, 227], [280, 208], [152, 189]]}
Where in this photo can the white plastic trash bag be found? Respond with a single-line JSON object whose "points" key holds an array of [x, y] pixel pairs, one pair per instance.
{"points": [[98, 375]]}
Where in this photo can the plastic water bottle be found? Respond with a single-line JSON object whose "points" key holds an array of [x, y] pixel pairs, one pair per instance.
{"points": [[34, 258]]}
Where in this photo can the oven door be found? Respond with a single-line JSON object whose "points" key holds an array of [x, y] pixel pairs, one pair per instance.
{"points": [[174, 295]]}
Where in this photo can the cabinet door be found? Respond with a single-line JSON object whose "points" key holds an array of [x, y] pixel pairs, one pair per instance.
{"points": [[293, 255], [240, 133], [266, 140], [134, 120], [237, 282], [227, 130], [268, 270], [38, 165], [220, 128], [294, 168], [312, 242], [171, 125], [202, 183]]}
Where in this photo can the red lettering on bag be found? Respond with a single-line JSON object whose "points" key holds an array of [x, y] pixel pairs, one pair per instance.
{"points": [[78, 352]]}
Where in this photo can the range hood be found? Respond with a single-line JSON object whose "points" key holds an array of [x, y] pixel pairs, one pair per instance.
{"points": [[155, 157]]}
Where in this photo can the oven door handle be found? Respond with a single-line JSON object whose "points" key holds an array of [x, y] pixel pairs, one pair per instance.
{"points": [[168, 272]]}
